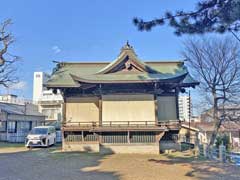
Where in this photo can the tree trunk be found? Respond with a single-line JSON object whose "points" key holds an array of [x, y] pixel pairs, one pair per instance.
{"points": [[216, 120]]}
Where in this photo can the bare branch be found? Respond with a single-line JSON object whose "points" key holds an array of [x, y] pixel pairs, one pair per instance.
{"points": [[216, 64], [7, 61], [6, 39]]}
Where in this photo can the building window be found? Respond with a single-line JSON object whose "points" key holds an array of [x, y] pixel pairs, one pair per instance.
{"points": [[12, 127], [25, 126], [3, 126]]}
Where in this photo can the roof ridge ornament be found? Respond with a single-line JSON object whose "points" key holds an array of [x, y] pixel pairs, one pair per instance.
{"points": [[127, 46]]}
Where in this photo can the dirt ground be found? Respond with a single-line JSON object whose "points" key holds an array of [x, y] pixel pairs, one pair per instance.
{"points": [[18, 163]]}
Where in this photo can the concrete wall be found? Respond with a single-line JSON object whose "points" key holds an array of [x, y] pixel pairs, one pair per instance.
{"points": [[167, 145], [3, 136], [140, 148], [167, 108], [128, 108], [82, 147], [82, 109]]}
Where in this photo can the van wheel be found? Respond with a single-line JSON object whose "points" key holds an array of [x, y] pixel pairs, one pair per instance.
{"points": [[54, 142], [47, 143]]}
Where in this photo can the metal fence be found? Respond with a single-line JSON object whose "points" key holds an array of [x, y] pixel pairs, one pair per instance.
{"points": [[219, 154], [233, 158]]}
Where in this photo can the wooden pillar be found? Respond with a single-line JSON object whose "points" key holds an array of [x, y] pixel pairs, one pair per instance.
{"points": [[100, 110], [100, 137], [177, 106], [63, 139], [82, 136], [156, 109], [64, 120]]}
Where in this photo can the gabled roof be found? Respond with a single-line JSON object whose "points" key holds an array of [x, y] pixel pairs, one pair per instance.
{"points": [[127, 57], [126, 68]]}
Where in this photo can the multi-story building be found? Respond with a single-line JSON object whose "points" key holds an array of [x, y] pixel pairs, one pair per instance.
{"points": [[14, 99], [39, 78], [49, 103], [123, 106], [184, 107]]}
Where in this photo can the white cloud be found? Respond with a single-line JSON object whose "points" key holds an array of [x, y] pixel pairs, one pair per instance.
{"points": [[56, 49], [21, 85]]}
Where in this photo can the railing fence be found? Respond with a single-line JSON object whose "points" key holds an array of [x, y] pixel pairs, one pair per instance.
{"points": [[219, 154]]}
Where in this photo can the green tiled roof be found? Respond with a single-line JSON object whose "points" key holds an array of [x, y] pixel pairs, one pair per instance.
{"points": [[135, 78], [63, 76], [72, 74]]}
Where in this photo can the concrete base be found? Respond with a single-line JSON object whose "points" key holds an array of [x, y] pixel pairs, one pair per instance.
{"points": [[138, 148], [169, 145], [142, 148], [82, 147]]}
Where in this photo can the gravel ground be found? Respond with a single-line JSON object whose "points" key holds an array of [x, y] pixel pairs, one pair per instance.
{"points": [[18, 163]]}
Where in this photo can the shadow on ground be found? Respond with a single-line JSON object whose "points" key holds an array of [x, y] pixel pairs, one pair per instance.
{"points": [[201, 168], [51, 164]]}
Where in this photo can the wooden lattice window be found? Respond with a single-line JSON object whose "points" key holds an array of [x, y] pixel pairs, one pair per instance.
{"points": [[115, 137], [142, 137]]}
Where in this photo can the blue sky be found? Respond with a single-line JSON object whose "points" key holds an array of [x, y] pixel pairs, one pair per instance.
{"points": [[81, 30]]}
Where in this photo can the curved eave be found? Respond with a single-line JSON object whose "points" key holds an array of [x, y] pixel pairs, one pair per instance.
{"points": [[175, 79], [190, 84], [60, 86]]}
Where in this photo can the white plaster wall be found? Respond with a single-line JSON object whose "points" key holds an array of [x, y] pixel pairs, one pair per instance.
{"points": [[128, 108], [82, 110]]}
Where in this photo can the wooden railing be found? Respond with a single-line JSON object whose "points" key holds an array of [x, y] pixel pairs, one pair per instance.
{"points": [[120, 124], [85, 124]]}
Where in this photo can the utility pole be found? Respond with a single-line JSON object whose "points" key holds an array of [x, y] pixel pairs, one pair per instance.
{"points": [[189, 108], [189, 115]]}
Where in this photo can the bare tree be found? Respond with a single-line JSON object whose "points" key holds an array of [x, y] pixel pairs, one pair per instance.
{"points": [[7, 60], [216, 64]]}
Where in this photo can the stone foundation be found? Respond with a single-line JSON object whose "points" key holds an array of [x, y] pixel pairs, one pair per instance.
{"points": [[140, 148], [82, 147]]}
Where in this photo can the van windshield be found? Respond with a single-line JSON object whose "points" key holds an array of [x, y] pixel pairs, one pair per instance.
{"points": [[39, 131]]}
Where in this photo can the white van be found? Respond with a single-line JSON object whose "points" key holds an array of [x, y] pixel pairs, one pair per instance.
{"points": [[42, 136]]}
